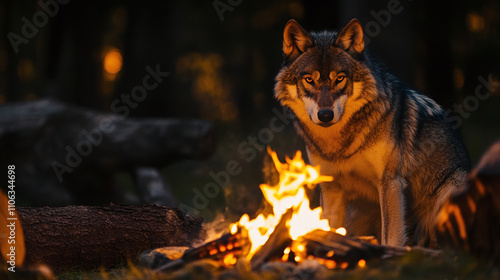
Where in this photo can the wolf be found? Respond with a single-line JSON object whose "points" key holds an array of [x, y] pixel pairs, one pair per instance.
{"points": [[393, 155]]}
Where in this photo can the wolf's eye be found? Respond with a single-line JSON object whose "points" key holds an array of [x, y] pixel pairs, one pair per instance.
{"points": [[340, 78], [309, 80]]}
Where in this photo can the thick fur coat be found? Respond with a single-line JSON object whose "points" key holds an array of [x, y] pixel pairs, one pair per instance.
{"points": [[393, 157]]}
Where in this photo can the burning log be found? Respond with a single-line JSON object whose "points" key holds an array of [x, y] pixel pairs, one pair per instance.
{"points": [[278, 241], [335, 249], [93, 236], [330, 249], [228, 244], [469, 219], [224, 249], [155, 258], [293, 233]]}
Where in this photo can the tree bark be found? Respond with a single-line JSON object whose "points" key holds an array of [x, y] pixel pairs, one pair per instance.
{"points": [[102, 236]]}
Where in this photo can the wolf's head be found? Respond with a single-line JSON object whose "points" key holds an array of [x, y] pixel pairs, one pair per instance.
{"points": [[321, 71]]}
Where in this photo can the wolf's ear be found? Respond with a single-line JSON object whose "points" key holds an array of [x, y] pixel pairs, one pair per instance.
{"points": [[351, 37], [295, 40]]}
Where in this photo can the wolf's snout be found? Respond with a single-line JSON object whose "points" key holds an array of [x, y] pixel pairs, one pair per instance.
{"points": [[325, 115]]}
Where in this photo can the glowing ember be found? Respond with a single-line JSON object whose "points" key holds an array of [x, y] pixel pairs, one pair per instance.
{"points": [[341, 231], [330, 264], [289, 193], [229, 260], [286, 253], [234, 228]]}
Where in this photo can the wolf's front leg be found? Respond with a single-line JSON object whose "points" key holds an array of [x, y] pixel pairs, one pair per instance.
{"points": [[392, 210], [333, 204]]}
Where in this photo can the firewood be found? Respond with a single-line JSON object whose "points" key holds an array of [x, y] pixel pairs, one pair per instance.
{"points": [[276, 244], [329, 245], [469, 220], [216, 250], [101, 236], [228, 243], [155, 258]]}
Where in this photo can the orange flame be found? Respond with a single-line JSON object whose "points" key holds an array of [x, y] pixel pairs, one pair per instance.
{"points": [[290, 192]]}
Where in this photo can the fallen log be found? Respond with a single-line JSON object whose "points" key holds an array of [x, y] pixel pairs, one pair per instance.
{"points": [[66, 155], [87, 237]]}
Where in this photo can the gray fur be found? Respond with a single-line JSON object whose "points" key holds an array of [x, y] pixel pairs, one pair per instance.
{"points": [[393, 156]]}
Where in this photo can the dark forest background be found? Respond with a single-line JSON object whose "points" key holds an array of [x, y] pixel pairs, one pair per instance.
{"points": [[222, 57]]}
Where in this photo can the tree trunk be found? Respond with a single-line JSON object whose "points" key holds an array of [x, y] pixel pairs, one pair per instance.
{"points": [[101, 236]]}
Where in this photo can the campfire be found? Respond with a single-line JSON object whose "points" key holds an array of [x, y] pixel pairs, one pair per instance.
{"points": [[292, 233], [292, 215]]}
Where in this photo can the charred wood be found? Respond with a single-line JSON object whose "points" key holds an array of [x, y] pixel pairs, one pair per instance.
{"points": [[469, 220]]}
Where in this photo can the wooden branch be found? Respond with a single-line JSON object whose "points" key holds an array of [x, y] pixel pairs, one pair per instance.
{"points": [[277, 242], [102, 236], [216, 250], [352, 249], [341, 249]]}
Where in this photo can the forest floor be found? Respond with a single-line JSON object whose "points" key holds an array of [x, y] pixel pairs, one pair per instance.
{"points": [[411, 266]]}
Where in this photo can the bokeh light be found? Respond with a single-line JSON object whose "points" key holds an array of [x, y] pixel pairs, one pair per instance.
{"points": [[113, 62]]}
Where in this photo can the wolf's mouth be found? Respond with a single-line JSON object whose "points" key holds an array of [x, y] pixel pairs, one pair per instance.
{"points": [[325, 124]]}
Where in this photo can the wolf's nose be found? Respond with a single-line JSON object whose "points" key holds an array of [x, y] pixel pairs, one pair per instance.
{"points": [[325, 115]]}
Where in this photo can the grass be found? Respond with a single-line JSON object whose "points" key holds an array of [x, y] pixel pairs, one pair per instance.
{"points": [[411, 266]]}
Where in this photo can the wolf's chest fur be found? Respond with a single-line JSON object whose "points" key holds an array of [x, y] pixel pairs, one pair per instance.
{"points": [[360, 173]]}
